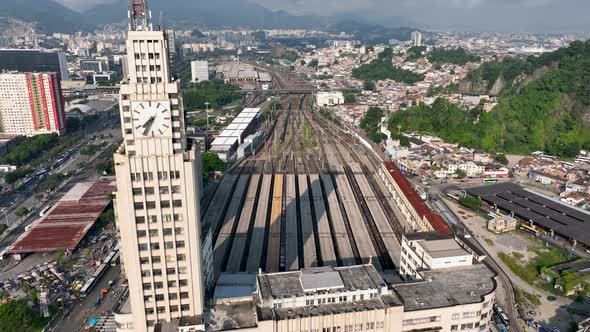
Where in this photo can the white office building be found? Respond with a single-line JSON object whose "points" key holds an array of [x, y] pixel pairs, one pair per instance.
{"points": [[417, 38], [430, 251], [199, 71]]}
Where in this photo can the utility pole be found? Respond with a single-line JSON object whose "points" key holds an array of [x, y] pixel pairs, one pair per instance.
{"points": [[207, 114]]}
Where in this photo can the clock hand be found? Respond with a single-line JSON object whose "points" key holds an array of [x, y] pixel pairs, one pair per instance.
{"points": [[148, 125]]}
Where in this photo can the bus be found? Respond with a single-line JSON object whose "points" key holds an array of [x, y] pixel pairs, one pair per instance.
{"points": [[530, 229], [44, 211], [503, 317], [489, 181], [85, 290]]}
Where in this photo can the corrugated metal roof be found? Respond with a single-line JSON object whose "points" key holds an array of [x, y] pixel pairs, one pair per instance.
{"points": [[435, 220], [68, 221]]}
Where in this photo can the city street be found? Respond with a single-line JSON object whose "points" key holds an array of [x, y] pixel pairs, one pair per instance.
{"points": [[82, 310]]}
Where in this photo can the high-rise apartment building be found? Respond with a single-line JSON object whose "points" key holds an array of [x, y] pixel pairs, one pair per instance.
{"points": [[36, 61], [417, 38], [158, 188], [199, 71], [31, 104]]}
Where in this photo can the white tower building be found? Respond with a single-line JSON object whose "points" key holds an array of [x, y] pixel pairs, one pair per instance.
{"points": [[199, 71], [417, 38], [159, 186]]}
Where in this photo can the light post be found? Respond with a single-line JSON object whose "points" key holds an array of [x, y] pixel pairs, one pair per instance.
{"points": [[3, 210], [207, 113]]}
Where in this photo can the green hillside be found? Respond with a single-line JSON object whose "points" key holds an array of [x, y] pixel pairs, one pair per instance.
{"points": [[550, 113]]}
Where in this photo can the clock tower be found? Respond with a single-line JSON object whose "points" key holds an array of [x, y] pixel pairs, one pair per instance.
{"points": [[159, 185]]}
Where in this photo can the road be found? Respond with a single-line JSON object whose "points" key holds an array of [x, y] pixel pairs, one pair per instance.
{"points": [[106, 125], [83, 309], [505, 292]]}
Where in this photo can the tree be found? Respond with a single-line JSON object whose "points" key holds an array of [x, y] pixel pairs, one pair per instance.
{"points": [[107, 217], [383, 68], [460, 173], [349, 98], [302, 62], [501, 158], [216, 92], [369, 85], [471, 202], [211, 163], [106, 167], [72, 124], [29, 148], [371, 123], [21, 212], [19, 173], [456, 56], [62, 259], [51, 182], [3, 228], [314, 63], [405, 141], [15, 316]]}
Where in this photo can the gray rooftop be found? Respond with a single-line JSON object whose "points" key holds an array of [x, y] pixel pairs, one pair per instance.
{"points": [[385, 301], [568, 221], [443, 248], [298, 283], [447, 287], [233, 316], [175, 324], [429, 236]]}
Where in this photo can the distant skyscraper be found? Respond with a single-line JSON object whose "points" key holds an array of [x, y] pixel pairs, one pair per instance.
{"points": [[159, 187], [125, 67], [31, 104], [35, 61], [173, 50], [259, 35], [199, 71], [417, 38]]}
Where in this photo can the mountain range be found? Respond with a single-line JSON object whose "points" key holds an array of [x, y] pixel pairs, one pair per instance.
{"points": [[52, 16]]}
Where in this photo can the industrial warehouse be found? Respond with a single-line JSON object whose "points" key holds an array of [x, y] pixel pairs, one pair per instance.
{"points": [[566, 221], [66, 223]]}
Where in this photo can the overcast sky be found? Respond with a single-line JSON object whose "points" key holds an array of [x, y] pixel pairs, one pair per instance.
{"points": [[513, 15]]}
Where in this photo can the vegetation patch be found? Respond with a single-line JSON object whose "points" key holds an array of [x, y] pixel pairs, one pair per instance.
{"points": [[371, 123], [215, 92], [549, 114], [471, 202], [530, 270], [457, 56], [382, 68]]}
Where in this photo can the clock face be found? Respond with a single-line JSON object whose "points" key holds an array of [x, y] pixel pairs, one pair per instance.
{"points": [[152, 119]]}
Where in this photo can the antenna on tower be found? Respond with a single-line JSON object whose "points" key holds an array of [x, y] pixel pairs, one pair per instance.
{"points": [[161, 21], [139, 16]]}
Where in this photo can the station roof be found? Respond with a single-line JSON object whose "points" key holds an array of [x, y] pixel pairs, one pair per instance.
{"points": [[543, 211], [68, 221], [435, 220], [230, 135]]}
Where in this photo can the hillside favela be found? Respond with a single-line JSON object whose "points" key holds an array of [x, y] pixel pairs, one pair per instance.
{"points": [[295, 166]]}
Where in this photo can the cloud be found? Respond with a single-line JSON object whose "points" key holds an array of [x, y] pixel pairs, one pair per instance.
{"points": [[82, 5], [509, 15]]}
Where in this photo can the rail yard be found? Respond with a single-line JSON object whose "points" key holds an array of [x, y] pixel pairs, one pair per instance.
{"points": [[310, 196]]}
